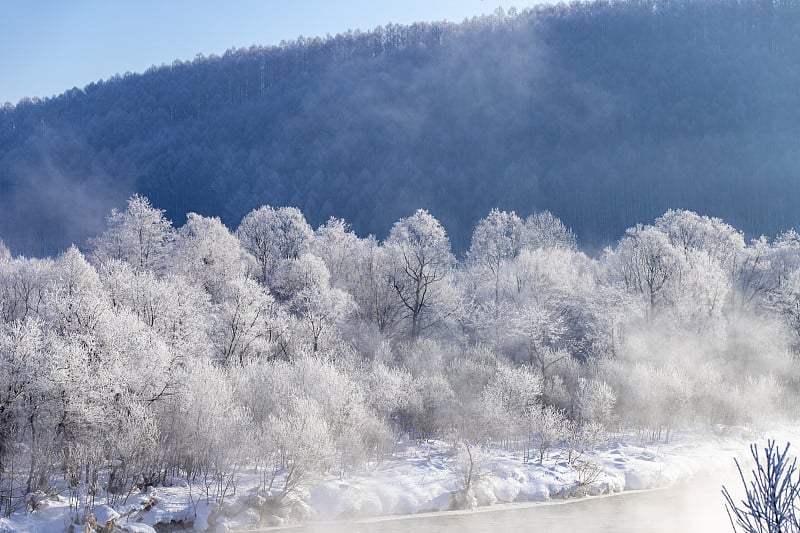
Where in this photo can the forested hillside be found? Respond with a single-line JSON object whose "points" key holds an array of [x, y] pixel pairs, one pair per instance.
{"points": [[603, 113]]}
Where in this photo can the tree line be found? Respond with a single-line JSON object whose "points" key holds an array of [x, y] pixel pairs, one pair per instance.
{"points": [[163, 354]]}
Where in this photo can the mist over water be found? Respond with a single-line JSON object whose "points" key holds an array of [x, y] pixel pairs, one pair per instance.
{"points": [[693, 507]]}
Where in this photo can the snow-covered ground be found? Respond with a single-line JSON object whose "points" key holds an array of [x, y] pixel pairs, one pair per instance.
{"points": [[423, 477]]}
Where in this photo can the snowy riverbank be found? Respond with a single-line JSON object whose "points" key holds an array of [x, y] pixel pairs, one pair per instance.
{"points": [[423, 477]]}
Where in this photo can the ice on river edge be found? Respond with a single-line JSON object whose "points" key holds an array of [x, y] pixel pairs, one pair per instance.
{"points": [[424, 476]]}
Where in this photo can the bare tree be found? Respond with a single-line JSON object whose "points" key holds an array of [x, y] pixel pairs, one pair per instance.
{"points": [[771, 497]]}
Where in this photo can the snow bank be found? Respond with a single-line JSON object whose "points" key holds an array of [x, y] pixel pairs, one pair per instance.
{"points": [[426, 477]]}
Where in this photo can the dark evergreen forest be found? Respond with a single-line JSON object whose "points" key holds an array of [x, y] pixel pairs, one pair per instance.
{"points": [[604, 113]]}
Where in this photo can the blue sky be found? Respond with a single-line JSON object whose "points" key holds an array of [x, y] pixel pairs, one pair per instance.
{"points": [[47, 47]]}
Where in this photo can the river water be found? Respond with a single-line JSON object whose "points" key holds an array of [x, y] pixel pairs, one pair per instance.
{"points": [[694, 507]]}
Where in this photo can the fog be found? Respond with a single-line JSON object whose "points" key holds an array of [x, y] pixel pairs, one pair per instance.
{"points": [[58, 198], [693, 507]]}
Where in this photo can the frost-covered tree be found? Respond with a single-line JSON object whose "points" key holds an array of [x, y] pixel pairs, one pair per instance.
{"points": [[771, 497], [388, 390], [555, 285], [699, 299], [115, 376], [304, 283], [786, 302], [421, 264], [208, 255], [135, 357], [545, 230], [542, 332], [27, 395], [432, 401], [663, 387], [547, 426], [497, 239], [785, 255], [141, 236], [510, 395], [247, 324], [339, 247], [301, 444], [595, 401], [23, 283], [270, 235], [358, 434], [177, 310], [375, 296], [647, 264], [74, 301], [754, 277], [209, 428], [689, 232]]}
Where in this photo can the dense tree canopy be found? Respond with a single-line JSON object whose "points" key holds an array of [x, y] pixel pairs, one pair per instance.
{"points": [[167, 351]]}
